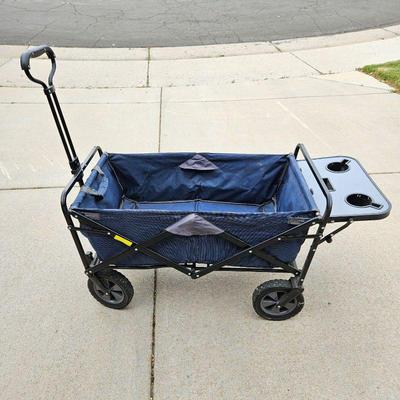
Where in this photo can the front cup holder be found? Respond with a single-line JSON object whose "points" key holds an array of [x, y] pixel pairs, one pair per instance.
{"points": [[338, 166], [362, 200]]}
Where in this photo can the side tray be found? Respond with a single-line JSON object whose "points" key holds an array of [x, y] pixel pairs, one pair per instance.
{"points": [[354, 194]]}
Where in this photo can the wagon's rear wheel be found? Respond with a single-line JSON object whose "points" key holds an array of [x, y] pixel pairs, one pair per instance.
{"points": [[118, 293], [267, 295]]}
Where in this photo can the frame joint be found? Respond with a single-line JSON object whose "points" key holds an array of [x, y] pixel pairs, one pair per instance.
{"points": [[75, 166], [49, 90]]}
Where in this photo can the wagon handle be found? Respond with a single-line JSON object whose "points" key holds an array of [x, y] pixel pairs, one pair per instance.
{"points": [[34, 52], [50, 92], [318, 178]]}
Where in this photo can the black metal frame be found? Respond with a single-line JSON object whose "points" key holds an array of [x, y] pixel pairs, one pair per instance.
{"points": [[93, 265]]}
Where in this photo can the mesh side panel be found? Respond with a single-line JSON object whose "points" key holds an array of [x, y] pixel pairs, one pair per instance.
{"points": [[141, 226]]}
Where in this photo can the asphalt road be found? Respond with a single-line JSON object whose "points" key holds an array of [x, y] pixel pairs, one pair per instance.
{"points": [[148, 23]]}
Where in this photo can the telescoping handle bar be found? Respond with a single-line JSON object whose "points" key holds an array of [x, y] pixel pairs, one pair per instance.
{"points": [[52, 99]]}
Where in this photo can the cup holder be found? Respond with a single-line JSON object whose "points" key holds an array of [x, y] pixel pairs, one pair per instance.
{"points": [[361, 200], [338, 166]]}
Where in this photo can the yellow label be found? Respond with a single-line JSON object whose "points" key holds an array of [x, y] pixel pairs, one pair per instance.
{"points": [[123, 240]]}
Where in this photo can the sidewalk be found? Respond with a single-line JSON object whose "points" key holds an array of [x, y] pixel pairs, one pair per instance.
{"points": [[58, 343]]}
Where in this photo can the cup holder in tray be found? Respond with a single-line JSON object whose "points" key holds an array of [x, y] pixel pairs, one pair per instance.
{"points": [[338, 166], [362, 200]]}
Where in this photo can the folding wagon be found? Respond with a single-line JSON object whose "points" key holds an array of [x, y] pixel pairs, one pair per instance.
{"points": [[200, 213]]}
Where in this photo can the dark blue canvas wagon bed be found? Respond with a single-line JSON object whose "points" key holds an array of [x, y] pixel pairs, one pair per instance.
{"points": [[253, 197], [200, 213]]}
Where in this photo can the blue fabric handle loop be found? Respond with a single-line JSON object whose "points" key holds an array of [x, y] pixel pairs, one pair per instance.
{"points": [[98, 170], [101, 190]]}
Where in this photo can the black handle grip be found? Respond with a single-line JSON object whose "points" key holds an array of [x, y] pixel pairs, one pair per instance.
{"points": [[34, 52]]}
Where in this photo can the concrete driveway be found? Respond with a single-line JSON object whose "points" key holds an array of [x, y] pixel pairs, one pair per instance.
{"points": [[203, 336]]}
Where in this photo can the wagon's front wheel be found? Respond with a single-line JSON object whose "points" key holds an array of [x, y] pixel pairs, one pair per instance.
{"points": [[266, 298], [118, 293]]}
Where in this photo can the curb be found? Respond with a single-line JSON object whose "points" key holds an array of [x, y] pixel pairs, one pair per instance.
{"points": [[213, 51]]}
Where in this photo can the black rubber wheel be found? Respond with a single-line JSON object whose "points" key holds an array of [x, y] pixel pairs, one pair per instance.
{"points": [[267, 295], [119, 290]]}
